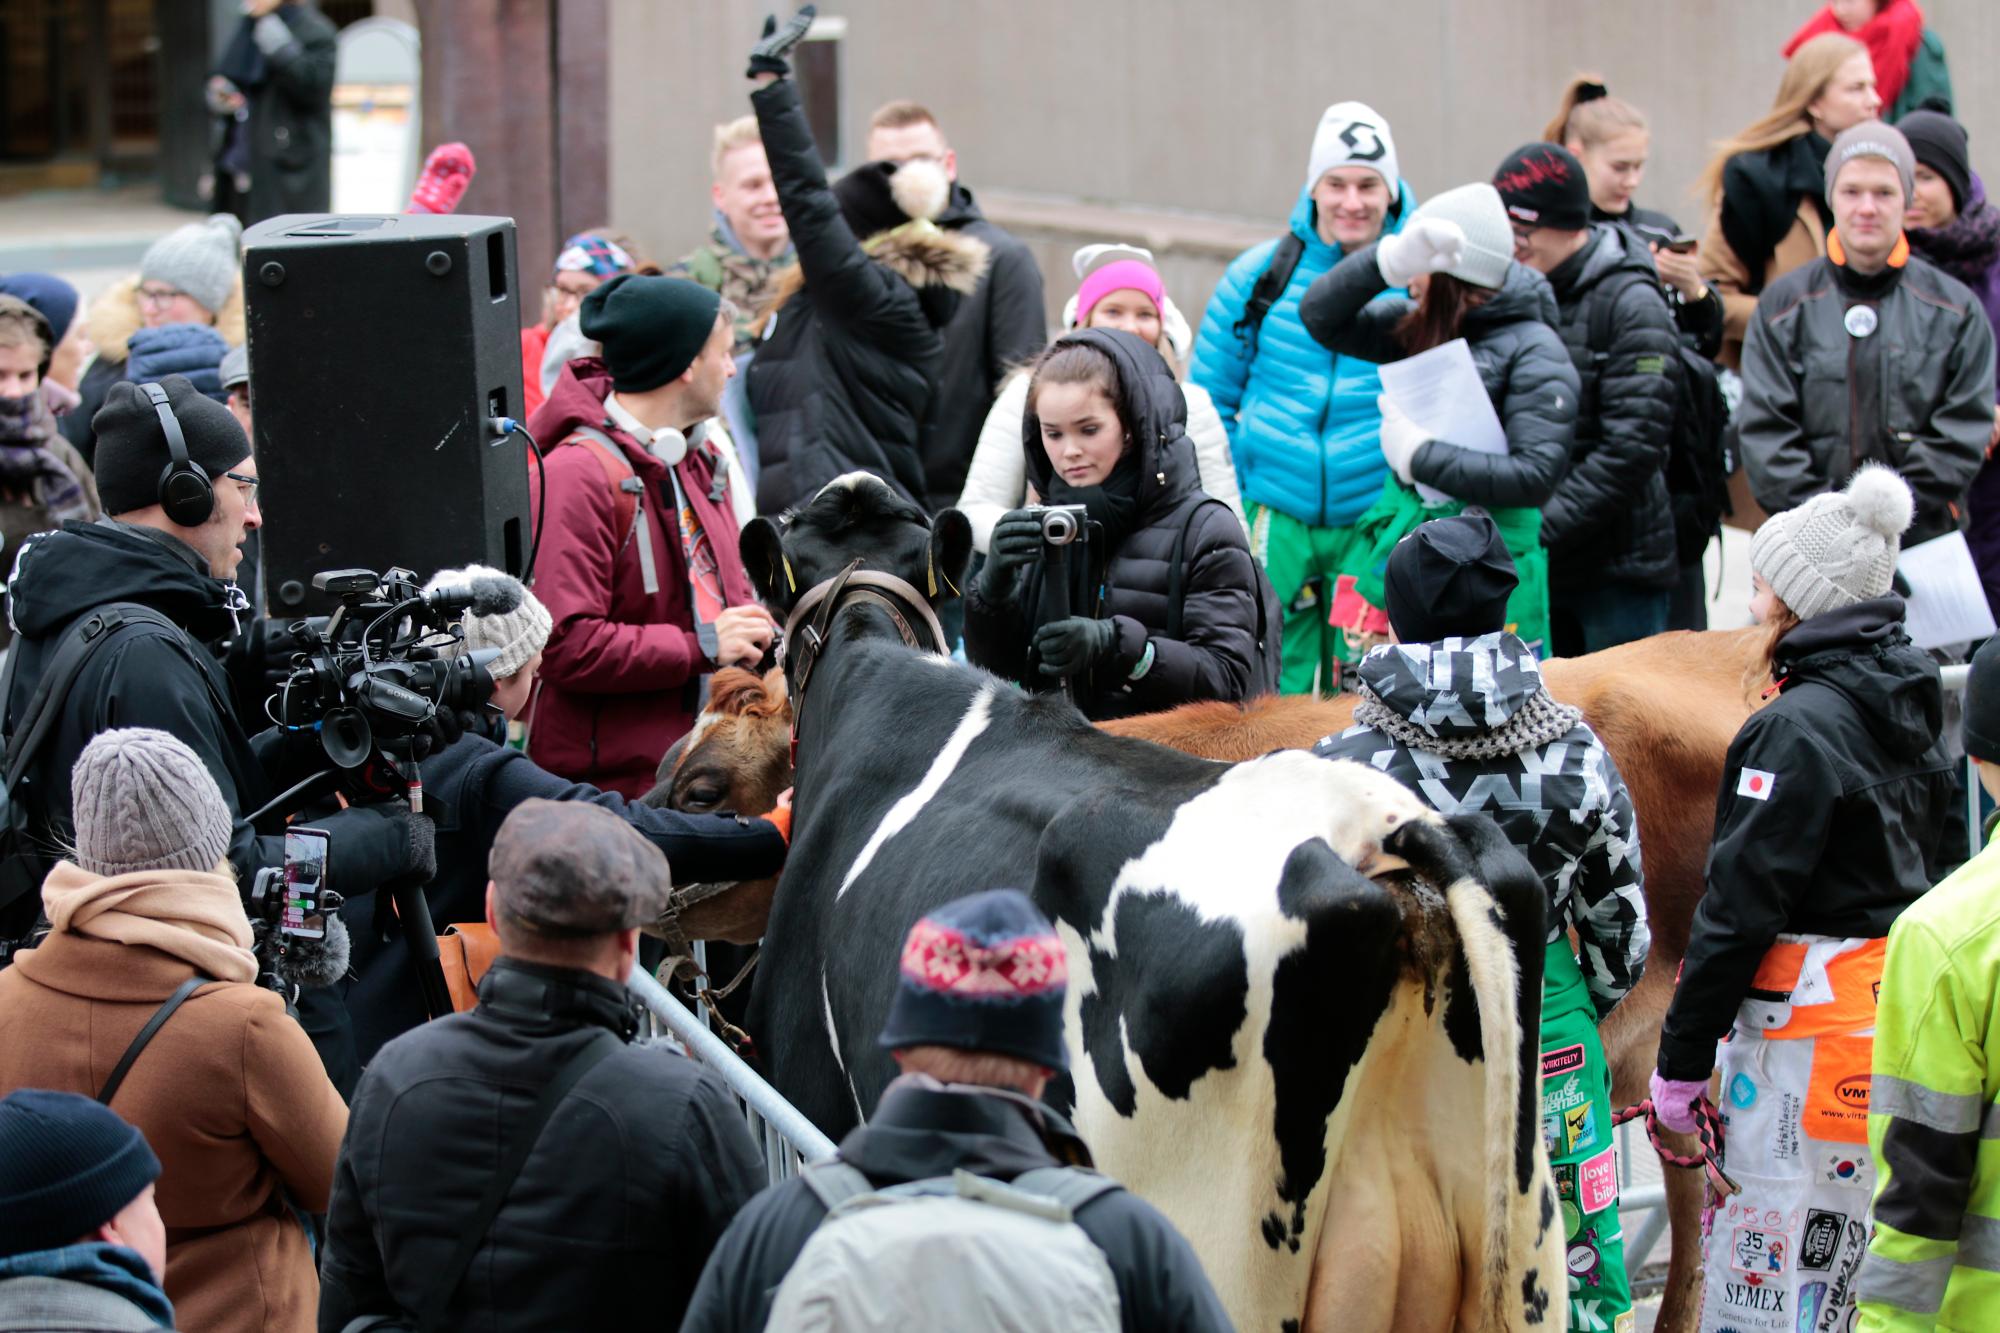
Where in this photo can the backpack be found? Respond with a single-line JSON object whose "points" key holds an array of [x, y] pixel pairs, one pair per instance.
{"points": [[1698, 454], [26, 852], [626, 489], [1270, 645], [1270, 285], [957, 1251]]}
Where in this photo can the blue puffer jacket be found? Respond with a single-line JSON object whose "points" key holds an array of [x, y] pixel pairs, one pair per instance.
{"points": [[1303, 425], [193, 350]]}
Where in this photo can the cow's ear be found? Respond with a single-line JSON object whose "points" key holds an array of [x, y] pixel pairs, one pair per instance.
{"points": [[764, 560], [951, 550]]}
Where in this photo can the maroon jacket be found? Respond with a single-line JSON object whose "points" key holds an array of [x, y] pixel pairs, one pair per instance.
{"points": [[620, 679]]}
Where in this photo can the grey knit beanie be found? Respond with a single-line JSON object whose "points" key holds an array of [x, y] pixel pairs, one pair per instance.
{"points": [[1836, 549], [1871, 138], [143, 801], [503, 615], [200, 259]]}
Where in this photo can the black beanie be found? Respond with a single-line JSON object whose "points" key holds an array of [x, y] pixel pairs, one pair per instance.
{"points": [[651, 328], [67, 1166], [1940, 143], [866, 200], [1449, 578], [1982, 703], [1543, 185], [132, 444]]}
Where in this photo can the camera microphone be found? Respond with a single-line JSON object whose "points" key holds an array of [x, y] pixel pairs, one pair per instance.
{"points": [[320, 962], [485, 593]]}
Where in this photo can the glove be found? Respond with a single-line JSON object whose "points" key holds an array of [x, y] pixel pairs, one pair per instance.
{"points": [[1017, 539], [1071, 647], [768, 55], [1401, 438], [370, 845], [1674, 1100], [1427, 245]]}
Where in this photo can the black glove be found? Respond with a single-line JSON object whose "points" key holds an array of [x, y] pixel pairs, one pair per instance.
{"points": [[1016, 540], [768, 55], [1073, 646], [370, 845]]}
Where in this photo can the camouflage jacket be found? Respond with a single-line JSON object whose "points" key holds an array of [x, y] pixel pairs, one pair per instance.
{"points": [[720, 267]]}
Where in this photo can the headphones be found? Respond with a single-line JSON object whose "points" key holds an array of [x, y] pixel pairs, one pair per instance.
{"points": [[186, 493]]}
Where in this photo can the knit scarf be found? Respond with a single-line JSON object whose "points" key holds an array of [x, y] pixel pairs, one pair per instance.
{"points": [[1967, 247], [28, 469], [1540, 721], [192, 916]]}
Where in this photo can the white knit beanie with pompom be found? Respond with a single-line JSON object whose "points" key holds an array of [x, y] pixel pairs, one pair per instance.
{"points": [[1837, 549]]}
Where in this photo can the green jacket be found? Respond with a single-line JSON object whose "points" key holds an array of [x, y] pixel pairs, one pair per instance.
{"points": [[1934, 1260]]}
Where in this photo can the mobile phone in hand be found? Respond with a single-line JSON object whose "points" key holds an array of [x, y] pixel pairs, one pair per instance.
{"points": [[305, 883], [1682, 244]]}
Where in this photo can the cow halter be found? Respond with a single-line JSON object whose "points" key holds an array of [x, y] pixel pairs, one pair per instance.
{"points": [[803, 643]]}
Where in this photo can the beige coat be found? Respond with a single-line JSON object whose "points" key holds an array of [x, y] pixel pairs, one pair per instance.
{"points": [[229, 1094], [1722, 269]]}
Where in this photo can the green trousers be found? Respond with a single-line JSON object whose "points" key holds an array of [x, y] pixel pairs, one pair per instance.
{"points": [[1302, 563], [1583, 1151]]}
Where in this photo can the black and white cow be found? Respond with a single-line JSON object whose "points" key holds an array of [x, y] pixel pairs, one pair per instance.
{"points": [[1320, 1077]]}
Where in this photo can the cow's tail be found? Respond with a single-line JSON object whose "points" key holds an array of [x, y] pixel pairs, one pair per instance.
{"points": [[1496, 978]]}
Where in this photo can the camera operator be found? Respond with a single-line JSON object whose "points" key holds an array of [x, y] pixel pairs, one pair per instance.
{"points": [[171, 546], [1158, 602], [470, 787], [228, 1091]]}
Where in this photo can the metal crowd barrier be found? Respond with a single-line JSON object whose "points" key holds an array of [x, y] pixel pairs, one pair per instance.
{"points": [[1646, 1204], [787, 1138]]}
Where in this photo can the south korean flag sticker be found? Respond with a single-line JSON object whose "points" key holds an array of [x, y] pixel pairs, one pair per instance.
{"points": [[1756, 784]]}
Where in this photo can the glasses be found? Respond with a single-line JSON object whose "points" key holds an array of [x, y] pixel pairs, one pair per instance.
{"points": [[158, 295], [250, 497]]}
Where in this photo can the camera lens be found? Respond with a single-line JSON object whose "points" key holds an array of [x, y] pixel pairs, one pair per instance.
{"points": [[1058, 528]]}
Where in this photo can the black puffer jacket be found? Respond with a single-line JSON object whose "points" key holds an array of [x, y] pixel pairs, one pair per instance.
{"points": [[1700, 322], [615, 1210], [1520, 358], [1832, 804], [996, 330], [1610, 520], [918, 1133], [851, 358], [1217, 655]]}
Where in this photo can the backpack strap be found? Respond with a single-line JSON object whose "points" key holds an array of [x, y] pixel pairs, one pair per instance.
{"points": [[146, 1035], [1606, 306], [1270, 285], [1070, 1186], [627, 491], [1177, 570], [447, 1279], [833, 1182]]}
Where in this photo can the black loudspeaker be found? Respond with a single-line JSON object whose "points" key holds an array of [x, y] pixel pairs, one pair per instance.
{"points": [[383, 349]]}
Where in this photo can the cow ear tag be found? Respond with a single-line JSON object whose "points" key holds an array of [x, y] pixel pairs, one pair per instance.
{"points": [[790, 582], [930, 568]]}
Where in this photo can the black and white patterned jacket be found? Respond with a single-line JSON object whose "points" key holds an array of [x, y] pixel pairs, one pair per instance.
{"points": [[1467, 725]]}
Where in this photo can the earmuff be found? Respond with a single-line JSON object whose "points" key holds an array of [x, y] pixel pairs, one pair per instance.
{"points": [[186, 493]]}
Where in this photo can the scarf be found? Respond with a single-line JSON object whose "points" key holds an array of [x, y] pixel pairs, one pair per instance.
{"points": [[113, 1268], [1540, 721], [29, 470], [1760, 198], [1967, 247], [1892, 38], [1113, 503], [186, 914]]}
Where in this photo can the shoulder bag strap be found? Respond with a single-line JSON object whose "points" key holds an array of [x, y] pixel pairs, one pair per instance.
{"points": [[1067, 1185], [630, 493], [452, 1274], [834, 1182], [1177, 571], [147, 1033]]}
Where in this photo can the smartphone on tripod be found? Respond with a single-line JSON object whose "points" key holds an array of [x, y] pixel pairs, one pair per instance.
{"points": [[306, 899]]}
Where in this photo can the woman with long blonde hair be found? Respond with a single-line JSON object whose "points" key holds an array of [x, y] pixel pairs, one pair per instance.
{"points": [[1766, 186]]}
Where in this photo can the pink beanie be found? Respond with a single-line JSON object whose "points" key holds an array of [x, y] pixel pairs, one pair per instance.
{"points": [[1117, 277]]}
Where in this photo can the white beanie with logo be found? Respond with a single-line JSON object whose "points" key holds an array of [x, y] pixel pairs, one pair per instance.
{"points": [[1350, 134]]}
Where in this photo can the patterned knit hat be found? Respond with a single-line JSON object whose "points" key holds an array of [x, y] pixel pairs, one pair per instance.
{"points": [[200, 259], [143, 801], [67, 1166], [984, 973], [519, 631], [1836, 549], [599, 256]]}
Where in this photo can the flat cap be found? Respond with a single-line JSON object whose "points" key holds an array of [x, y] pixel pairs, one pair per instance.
{"points": [[569, 868]]}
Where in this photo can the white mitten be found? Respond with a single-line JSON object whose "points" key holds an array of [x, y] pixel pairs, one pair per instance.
{"points": [[1427, 245], [1401, 438]]}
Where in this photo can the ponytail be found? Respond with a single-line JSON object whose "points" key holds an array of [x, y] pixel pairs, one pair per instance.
{"points": [[1589, 114]]}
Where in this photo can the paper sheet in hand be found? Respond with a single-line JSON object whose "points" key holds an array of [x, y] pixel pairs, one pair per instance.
{"points": [[1440, 391], [1947, 603]]}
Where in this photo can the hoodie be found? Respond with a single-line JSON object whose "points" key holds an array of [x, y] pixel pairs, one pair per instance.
{"points": [[922, 1130], [1828, 821]]}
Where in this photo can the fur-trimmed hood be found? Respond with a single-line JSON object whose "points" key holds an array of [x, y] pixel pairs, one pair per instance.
{"points": [[114, 317], [920, 253]]}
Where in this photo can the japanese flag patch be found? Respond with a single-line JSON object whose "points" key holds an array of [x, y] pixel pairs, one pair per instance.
{"points": [[1756, 784]]}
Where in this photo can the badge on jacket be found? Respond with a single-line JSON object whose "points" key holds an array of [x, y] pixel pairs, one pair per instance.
{"points": [[1756, 784], [1860, 320]]}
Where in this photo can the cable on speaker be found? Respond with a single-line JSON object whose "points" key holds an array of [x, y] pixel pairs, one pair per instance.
{"points": [[541, 498]]}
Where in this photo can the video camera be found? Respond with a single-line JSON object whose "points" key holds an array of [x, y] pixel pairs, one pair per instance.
{"points": [[372, 678]]}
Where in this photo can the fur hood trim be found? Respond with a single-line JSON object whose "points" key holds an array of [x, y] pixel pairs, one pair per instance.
{"points": [[921, 254], [114, 317]]}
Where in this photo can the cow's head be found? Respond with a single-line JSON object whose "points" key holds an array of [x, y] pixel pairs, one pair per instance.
{"points": [[856, 517]]}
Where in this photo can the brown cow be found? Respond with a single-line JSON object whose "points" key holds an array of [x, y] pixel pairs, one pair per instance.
{"points": [[1666, 707]]}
